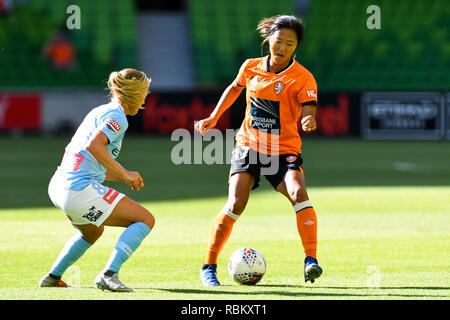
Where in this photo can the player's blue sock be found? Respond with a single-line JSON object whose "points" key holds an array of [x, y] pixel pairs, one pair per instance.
{"points": [[74, 248], [128, 242]]}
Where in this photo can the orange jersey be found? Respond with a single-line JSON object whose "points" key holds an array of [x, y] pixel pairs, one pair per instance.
{"points": [[274, 105]]}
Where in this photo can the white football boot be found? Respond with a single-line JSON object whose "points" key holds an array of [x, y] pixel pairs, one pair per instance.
{"points": [[47, 281], [111, 283]]}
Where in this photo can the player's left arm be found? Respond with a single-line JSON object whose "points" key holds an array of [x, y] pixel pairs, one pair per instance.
{"points": [[309, 118], [307, 97], [111, 129]]}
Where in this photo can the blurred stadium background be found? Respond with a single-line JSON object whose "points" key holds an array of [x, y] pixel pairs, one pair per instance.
{"points": [[377, 169], [382, 84]]}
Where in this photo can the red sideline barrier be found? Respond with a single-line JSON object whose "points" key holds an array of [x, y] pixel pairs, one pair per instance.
{"points": [[20, 112], [337, 114], [165, 113], [333, 117]]}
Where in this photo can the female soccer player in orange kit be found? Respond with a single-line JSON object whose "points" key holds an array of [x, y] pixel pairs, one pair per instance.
{"points": [[280, 91]]}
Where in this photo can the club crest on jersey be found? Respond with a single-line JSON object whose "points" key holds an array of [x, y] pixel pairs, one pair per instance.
{"points": [[279, 87], [113, 125]]}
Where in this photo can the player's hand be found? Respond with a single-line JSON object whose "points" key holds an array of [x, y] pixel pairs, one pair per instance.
{"points": [[204, 125], [308, 123], [134, 180]]}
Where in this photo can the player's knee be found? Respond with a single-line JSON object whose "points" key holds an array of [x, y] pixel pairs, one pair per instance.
{"points": [[237, 205], [298, 195], [148, 219], [91, 235]]}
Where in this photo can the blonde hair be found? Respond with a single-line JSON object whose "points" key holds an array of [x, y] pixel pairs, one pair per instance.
{"points": [[130, 87]]}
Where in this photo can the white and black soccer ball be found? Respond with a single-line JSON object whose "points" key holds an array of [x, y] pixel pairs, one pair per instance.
{"points": [[247, 266]]}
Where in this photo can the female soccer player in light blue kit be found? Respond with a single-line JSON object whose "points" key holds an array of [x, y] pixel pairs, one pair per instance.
{"points": [[76, 187]]}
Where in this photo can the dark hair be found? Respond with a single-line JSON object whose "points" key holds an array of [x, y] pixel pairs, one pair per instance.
{"points": [[269, 26]]}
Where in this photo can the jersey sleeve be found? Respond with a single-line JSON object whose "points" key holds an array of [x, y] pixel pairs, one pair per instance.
{"points": [[113, 125], [308, 94], [241, 77]]}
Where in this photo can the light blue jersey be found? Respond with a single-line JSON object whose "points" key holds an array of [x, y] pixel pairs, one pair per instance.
{"points": [[79, 168]]}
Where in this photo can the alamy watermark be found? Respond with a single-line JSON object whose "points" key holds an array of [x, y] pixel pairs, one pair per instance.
{"points": [[220, 149], [374, 20], [73, 21], [73, 276], [374, 277]]}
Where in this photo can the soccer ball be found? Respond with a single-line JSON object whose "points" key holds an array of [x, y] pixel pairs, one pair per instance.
{"points": [[246, 266]]}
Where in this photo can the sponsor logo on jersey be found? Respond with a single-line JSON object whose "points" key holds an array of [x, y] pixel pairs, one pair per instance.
{"points": [[311, 93], [265, 115], [279, 87], [115, 152], [113, 125]]}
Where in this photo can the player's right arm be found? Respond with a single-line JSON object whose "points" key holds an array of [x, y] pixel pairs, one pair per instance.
{"points": [[228, 97], [114, 171]]}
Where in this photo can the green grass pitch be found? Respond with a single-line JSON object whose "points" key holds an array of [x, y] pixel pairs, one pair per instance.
{"points": [[383, 217]]}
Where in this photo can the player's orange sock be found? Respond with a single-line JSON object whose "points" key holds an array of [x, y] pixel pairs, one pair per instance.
{"points": [[307, 227], [219, 234]]}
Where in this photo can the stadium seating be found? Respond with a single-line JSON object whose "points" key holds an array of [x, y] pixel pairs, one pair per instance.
{"points": [[223, 35], [411, 51], [105, 42]]}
